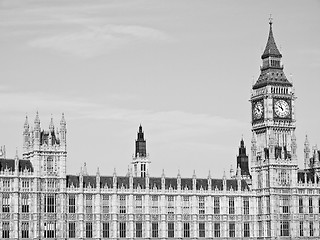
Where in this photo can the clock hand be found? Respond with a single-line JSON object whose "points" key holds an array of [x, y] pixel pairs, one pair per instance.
{"points": [[281, 107]]}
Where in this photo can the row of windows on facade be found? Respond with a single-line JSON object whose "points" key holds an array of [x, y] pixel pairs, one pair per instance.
{"points": [[171, 231], [286, 206], [24, 230], [50, 166], [50, 204], [285, 229], [25, 185], [50, 230], [303, 231]]}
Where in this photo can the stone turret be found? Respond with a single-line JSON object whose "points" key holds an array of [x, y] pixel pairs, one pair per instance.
{"points": [[140, 161], [243, 160], [44, 148]]}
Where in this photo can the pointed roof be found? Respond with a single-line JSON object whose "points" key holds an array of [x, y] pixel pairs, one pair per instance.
{"points": [[271, 47], [271, 74], [140, 135], [306, 141], [26, 123], [63, 120], [242, 142], [51, 125], [37, 119]]}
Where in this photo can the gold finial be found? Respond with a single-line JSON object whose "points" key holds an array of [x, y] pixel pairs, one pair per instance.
{"points": [[270, 19]]}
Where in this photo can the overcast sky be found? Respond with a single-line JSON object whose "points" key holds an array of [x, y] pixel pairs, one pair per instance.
{"points": [[183, 69]]}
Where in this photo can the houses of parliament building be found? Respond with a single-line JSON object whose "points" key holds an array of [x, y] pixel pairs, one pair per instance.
{"points": [[271, 200]]}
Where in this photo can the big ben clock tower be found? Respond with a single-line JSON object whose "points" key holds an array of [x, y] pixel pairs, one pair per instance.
{"points": [[273, 114], [273, 158]]}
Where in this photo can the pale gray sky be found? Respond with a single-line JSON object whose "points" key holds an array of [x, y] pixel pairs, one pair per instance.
{"points": [[183, 69]]}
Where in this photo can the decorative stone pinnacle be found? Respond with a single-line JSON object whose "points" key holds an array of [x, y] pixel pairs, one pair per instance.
{"points": [[270, 19]]}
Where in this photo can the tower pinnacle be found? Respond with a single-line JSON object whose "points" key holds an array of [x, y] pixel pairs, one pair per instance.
{"points": [[51, 125], [37, 119], [271, 49], [140, 144], [270, 19], [242, 160], [63, 121], [272, 68], [140, 161], [26, 123]]}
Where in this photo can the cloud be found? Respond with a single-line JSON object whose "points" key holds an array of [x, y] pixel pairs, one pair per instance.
{"points": [[82, 29], [177, 117], [178, 123], [95, 41], [16, 103]]}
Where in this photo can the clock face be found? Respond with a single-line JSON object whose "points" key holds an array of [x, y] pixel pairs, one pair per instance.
{"points": [[258, 110], [282, 108]]}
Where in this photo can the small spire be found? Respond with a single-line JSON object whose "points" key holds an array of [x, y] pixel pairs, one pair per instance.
{"points": [[162, 175], [26, 122], [85, 172], [179, 173], [306, 141], [51, 125], [140, 129], [194, 174], [37, 119], [16, 157], [140, 144], [224, 174], [209, 174], [231, 172], [271, 47], [242, 142], [63, 121], [238, 170], [270, 19]]}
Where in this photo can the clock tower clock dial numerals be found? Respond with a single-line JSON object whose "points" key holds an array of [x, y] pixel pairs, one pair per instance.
{"points": [[258, 110], [281, 108]]}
